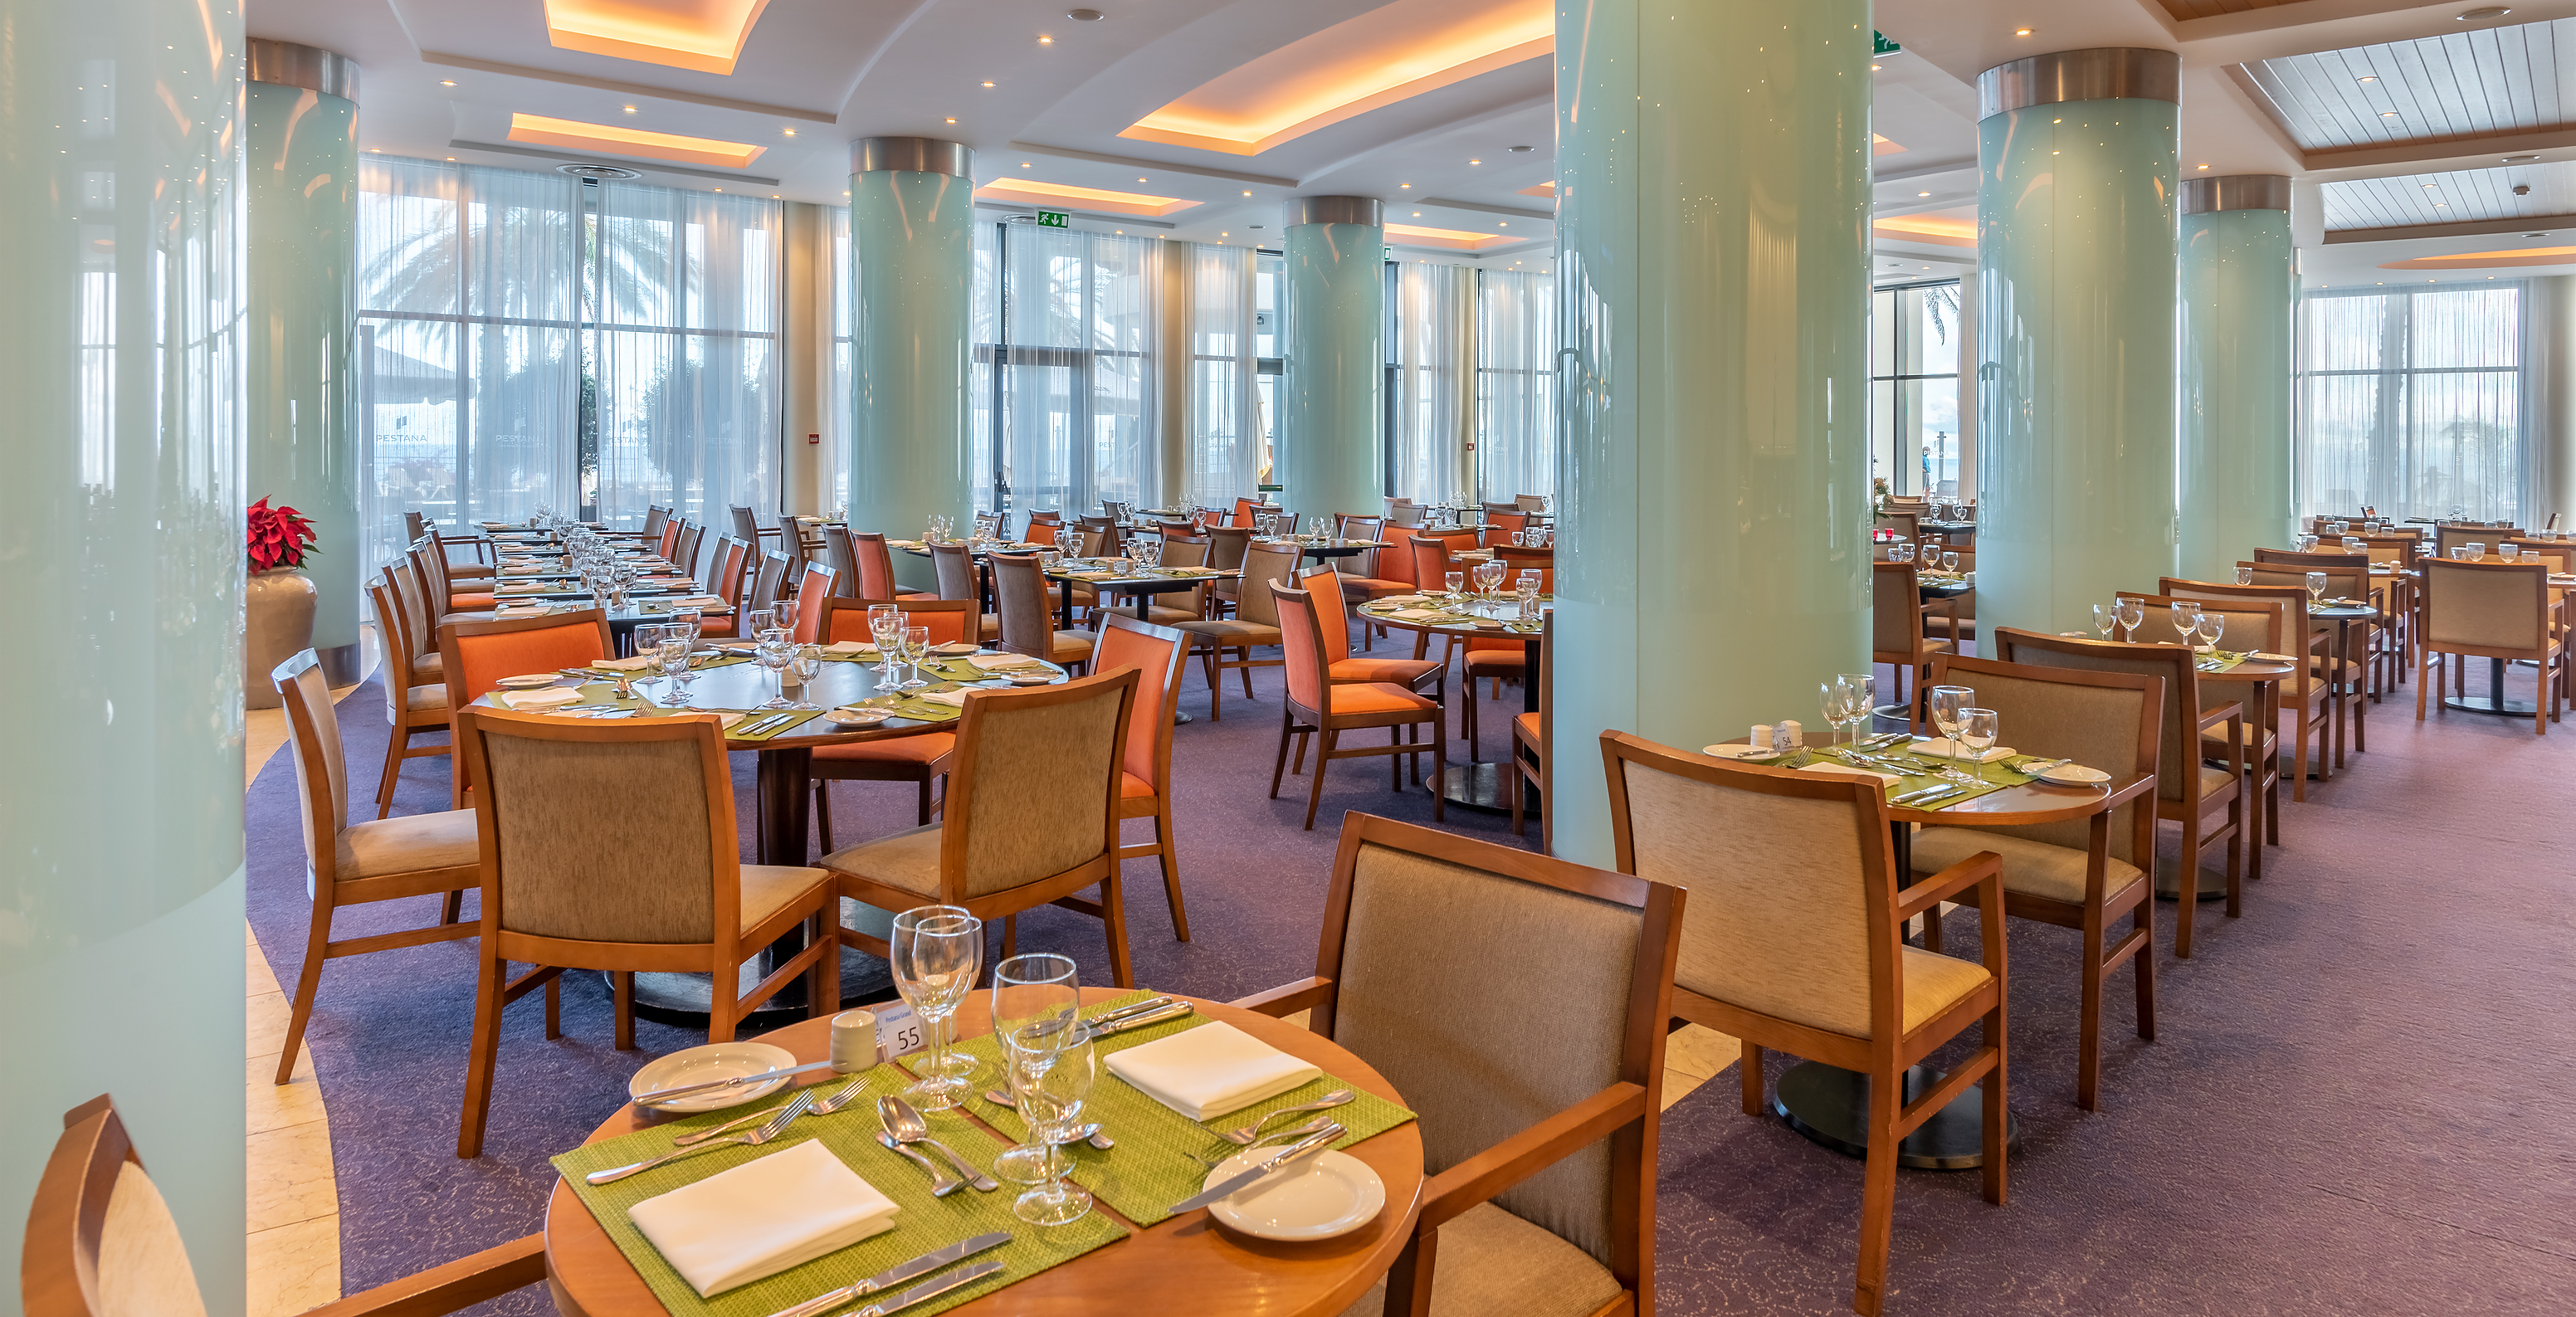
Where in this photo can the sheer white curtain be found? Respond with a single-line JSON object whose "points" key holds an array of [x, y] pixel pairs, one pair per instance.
{"points": [[685, 296], [1435, 381], [1076, 345], [1516, 385], [836, 443], [1223, 442], [468, 355], [2410, 401]]}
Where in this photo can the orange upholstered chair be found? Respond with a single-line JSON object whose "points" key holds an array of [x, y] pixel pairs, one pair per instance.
{"points": [[1417, 675], [725, 577], [876, 568], [813, 594], [670, 544], [1500, 525], [1041, 532], [478, 654], [415, 701], [1315, 704], [921, 759], [1145, 778], [948, 619]]}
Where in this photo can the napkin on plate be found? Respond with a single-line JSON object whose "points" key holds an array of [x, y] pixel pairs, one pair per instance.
{"points": [[695, 601], [1004, 662], [762, 1217], [1414, 614], [1398, 600], [523, 610], [636, 664], [953, 699], [516, 569], [521, 587], [543, 697], [850, 647], [1210, 1071], [1831, 766], [1939, 748]]}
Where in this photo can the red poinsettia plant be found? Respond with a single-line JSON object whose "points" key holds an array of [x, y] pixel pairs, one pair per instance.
{"points": [[279, 537]]}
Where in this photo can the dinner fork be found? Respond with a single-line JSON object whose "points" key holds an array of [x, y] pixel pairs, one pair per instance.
{"points": [[826, 1106], [753, 1139], [1292, 1132]]}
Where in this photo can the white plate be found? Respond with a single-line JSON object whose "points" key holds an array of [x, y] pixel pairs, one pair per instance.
{"points": [[1030, 678], [1335, 1194], [527, 681], [955, 647], [698, 1065], [2074, 775], [856, 717]]}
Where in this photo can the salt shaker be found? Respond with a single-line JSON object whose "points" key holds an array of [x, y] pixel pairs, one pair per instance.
{"points": [[854, 1041], [1761, 737]]}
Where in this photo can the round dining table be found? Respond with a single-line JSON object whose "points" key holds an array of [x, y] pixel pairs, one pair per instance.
{"points": [[1481, 786], [1185, 1264]]}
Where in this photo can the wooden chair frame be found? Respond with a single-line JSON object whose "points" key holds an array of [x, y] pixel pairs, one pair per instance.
{"points": [[1532, 757], [2262, 751], [1628, 1113], [460, 785], [1211, 650], [398, 645], [1905, 576], [1321, 719], [2550, 655], [1158, 806], [958, 819], [1890, 1049], [548, 957], [2317, 711], [825, 771]]}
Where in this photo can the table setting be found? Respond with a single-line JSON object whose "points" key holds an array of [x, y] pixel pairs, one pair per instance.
{"points": [[1962, 764]]}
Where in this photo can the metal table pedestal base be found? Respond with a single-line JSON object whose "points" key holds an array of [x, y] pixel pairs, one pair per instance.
{"points": [[1831, 1106]]}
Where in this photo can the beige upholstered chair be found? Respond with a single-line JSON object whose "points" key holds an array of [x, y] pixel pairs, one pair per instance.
{"points": [[1181, 550], [2083, 874], [842, 557], [1902, 522], [2493, 610], [2260, 626], [2448, 534], [768, 581], [954, 568], [1541, 1201], [415, 702], [101, 1243], [1899, 635], [2188, 791], [421, 625], [653, 880], [1255, 624], [1020, 591], [1795, 939], [2306, 694], [441, 594], [1031, 817], [684, 553], [356, 863], [2347, 577]]}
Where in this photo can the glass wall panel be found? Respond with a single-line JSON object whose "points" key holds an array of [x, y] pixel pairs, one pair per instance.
{"points": [[1914, 388], [2410, 402], [1067, 320], [1515, 385]]}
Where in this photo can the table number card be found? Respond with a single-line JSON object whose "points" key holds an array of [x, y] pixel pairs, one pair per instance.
{"points": [[899, 1030]]}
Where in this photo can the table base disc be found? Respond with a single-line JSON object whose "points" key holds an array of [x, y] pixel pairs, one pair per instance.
{"points": [[1484, 789], [1831, 1106], [2213, 886], [2481, 704], [681, 999]]}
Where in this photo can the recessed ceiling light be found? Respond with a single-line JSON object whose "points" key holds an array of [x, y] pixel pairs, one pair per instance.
{"points": [[1872, 68], [1140, 178], [952, 121], [1475, 162], [1046, 41], [451, 157], [1417, 214], [2388, 114], [1026, 165], [630, 109], [1086, 16], [1404, 185], [2441, 205], [2021, 31], [1922, 194], [1247, 193], [2200, 166], [2481, 14], [1502, 224], [789, 131], [988, 84], [2370, 77], [446, 84]]}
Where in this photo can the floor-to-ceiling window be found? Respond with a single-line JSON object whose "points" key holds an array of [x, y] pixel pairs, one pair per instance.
{"points": [[1064, 412], [1914, 388], [1222, 441], [1431, 381], [1515, 384], [2410, 402]]}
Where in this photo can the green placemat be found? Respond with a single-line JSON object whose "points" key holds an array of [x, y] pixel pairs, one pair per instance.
{"points": [[1150, 1168], [923, 1223], [1994, 776], [2221, 661]]}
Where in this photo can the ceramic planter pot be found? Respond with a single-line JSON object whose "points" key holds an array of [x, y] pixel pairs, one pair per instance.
{"points": [[277, 608]]}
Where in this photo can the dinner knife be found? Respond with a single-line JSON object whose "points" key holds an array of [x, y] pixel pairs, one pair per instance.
{"points": [[1927, 795], [1235, 1184], [1158, 1015], [930, 1289], [896, 1275], [666, 1094]]}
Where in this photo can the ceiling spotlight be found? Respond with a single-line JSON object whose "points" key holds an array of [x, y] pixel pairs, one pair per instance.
{"points": [[789, 131], [1086, 16], [1475, 162], [1872, 68], [1140, 178], [1502, 224], [1026, 165], [1922, 194], [988, 84], [1247, 192], [630, 109], [2388, 114], [2480, 14], [2370, 77], [2429, 187], [1417, 214], [446, 84], [952, 121], [2021, 31], [1404, 185], [2200, 166], [1046, 41]]}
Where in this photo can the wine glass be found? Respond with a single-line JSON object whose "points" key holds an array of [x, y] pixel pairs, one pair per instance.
{"points": [[1037, 1006], [1978, 729], [672, 651], [935, 952], [1835, 700], [2129, 613], [1862, 689], [2244, 575], [2186, 619], [1051, 1079], [762, 619], [916, 647], [1489, 577], [885, 621], [1457, 583], [1950, 563], [2105, 617], [2213, 625], [774, 653], [805, 663], [2316, 588], [1948, 703]]}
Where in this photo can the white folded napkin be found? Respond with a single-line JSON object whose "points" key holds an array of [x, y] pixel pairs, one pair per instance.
{"points": [[1402, 599], [849, 647], [1835, 768], [543, 697], [1003, 662], [523, 610], [636, 664], [522, 587], [516, 569], [1413, 614], [760, 1218], [695, 601], [955, 699], [1941, 748], [1210, 1071]]}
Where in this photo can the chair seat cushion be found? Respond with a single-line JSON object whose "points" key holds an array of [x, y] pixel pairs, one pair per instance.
{"points": [[458, 571], [1491, 1263], [1072, 646], [2033, 868], [2214, 741], [1132, 787], [1162, 616], [469, 603], [908, 860], [1233, 631], [1934, 983], [770, 888], [1394, 672], [408, 843], [1525, 727], [923, 750], [989, 629], [431, 664], [2214, 780], [1374, 587], [1491, 658], [421, 699], [1379, 697]]}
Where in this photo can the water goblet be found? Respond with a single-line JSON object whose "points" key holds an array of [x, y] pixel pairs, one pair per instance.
{"points": [[2105, 617], [2509, 552], [2245, 576], [935, 952], [1037, 1006], [773, 652], [2476, 549], [2460, 553], [2186, 619], [672, 652], [916, 648], [1863, 704], [2213, 625], [761, 619], [1950, 562], [805, 663], [2316, 582], [1457, 583], [1489, 577], [1948, 703], [1978, 730], [2130, 612], [1900, 551], [1051, 1086], [1835, 700]]}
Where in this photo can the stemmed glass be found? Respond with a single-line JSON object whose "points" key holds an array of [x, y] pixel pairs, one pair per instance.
{"points": [[2245, 576], [885, 624], [673, 653], [1978, 729], [935, 952], [1950, 562], [774, 651], [805, 663], [2213, 625], [1489, 577], [916, 647], [2316, 588], [761, 619], [2186, 620], [1037, 1007], [1051, 1078], [1949, 704], [1860, 699], [2105, 617], [2129, 613], [1835, 700]]}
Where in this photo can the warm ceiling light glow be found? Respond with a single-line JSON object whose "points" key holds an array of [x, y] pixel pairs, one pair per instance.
{"points": [[446, 84], [1387, 54], [1030, 190], [1880, 145], [705, 35], [789, 131], [541, 131], [1546, 189], [2370, 77], [1475, 162], [1415, 235], [630, 109], [1872, 68], [952, 121], [2388, 114], [2194, 166], [2489, 259], [2021, 31], [988, 84], [1937, 229], [1926, 194], [1247, 193]]}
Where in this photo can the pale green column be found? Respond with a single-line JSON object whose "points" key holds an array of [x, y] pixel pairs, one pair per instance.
{"points": [[121, 524], [1332, 405], [2240, 297], [300, 136], [912, 255], [1712, 552], [2075, 334]]}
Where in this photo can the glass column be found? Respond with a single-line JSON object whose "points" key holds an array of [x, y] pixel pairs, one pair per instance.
{"points": [[2240, 296], [912, 252], [1712, 561], [121, 521], [1333, 404], [2075, 333], [300, 136]]}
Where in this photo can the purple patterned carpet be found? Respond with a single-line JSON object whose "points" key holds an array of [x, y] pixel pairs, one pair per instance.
{"points": [[2357, 1102]]}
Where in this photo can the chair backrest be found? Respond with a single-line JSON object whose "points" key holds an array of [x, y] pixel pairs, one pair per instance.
{"points": [[725, 574], [1499, 523], [393, 629], [670, 545], [1895, 609], [1157, 654], [989, 524], [2561, 554], [1021, 597], [431, 565], [101, 1241], [1033, 790], [842, 557], [2398, 550], [811, 594], [2486, 607], [1516, 560], [2347, 577], [955, 568], [949, 621], [1530, 502], [1793, 911], [2450, 533], [1301, 632], [1042, 532], [1415, 922], [1333, 624], [414, 525], [2178, 742], [2112, 721], [1099, 537], [321, 766], [477, 654], [693, 537], [876, 565], [745, 525], [769, 581], [1430, 561], [1243, 512], [2250, 624], [540, 781], [1403, 514], [1226, 545], [1395, 561], [1264, 564], [419, 625], [655, 516], [1359, 526], [1901, 522]]}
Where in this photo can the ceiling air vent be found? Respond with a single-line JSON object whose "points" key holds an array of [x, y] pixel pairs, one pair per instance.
{"points": [[594, 173]]}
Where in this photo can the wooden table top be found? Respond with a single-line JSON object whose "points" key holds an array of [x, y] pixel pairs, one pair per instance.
{"points": [[2032, 802], [1186, 1264], [1496, 610], [747, 685]]}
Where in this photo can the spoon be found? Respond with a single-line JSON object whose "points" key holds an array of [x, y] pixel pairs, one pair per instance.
{"points": [[1248, 1133], [905, 1125], [1090, 1133]]}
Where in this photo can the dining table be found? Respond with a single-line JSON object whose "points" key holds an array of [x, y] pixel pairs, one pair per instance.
{"points": [[1184, 1263], [1483, 787], [1830, 1105], [783, 754]]}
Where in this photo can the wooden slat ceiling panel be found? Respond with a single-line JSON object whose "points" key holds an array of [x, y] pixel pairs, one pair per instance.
{"points": [[2458, 84], [2454, 197]]}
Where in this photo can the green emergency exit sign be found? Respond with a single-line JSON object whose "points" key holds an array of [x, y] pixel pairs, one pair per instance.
{"points": [[1054, 219]]}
